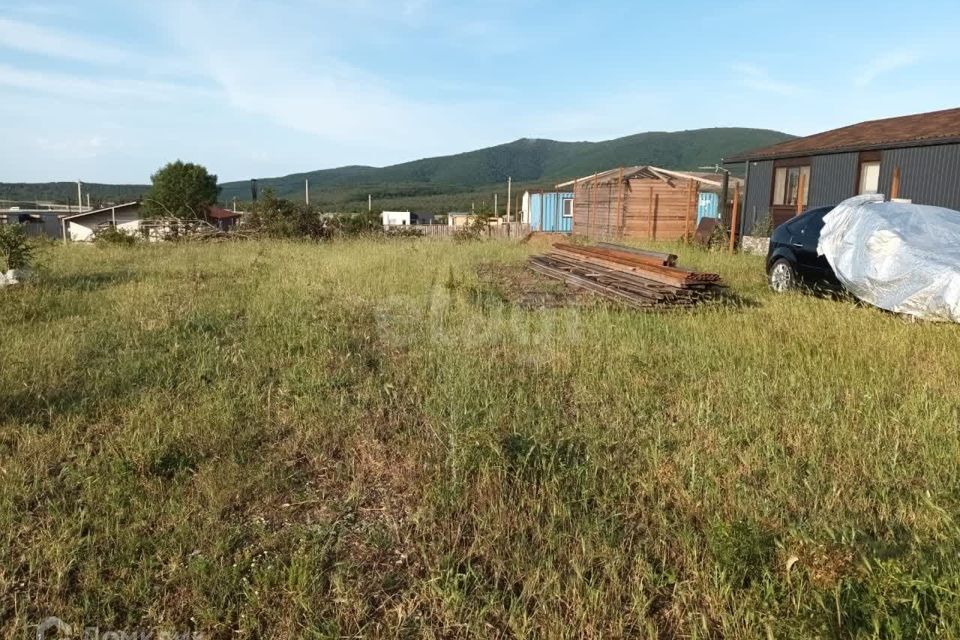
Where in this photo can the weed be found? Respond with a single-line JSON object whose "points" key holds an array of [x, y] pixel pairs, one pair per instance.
{"points": [[743, 550]]}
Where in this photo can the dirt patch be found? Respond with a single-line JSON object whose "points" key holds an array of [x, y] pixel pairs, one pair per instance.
{"points": [[519, 285]]}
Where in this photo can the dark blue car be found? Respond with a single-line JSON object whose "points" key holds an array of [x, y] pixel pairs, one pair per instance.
{"points": [[792, 259]]}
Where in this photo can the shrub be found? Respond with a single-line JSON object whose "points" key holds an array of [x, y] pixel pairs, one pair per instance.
{"points": [[112, 235], [403, 232], [720, 238], [466, 233], [357, 223], [763, 228], [15, 251], [281, 218]]}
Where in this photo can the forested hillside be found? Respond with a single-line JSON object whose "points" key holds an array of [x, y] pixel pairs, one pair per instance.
{"points": [[456, 182]]}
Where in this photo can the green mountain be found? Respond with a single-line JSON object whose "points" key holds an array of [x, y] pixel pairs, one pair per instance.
{"points": [[455, 182]]}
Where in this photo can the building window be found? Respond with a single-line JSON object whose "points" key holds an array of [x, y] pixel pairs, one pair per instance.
{"points": [[869, 177], [786, 185], [568, 207]]}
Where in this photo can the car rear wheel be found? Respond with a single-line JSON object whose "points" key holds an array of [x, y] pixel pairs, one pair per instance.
{"points": [[782, 276]]}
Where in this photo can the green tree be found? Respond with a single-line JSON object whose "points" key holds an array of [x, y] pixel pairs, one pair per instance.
{"points": [[15, 251], [181, 189]]}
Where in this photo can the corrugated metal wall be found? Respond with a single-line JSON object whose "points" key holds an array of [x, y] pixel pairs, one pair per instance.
{"points": [[928, 175], [756, 205], [48, 225], [833, 178], [546, 212]]}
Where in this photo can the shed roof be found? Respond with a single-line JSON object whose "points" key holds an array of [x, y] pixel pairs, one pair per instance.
{"points": [[647, 171], [922, 129], [102, 210], [219, 213], [545, 192]]}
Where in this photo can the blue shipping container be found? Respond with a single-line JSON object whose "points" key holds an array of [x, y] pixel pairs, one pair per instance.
{"points": [[551, 212], [708, 205]]}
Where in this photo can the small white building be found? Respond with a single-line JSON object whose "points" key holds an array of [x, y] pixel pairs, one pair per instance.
{"points": [[457, 219], [82, 227], [395, 218]]}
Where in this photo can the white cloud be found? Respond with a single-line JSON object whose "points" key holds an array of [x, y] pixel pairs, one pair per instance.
{"points": [[91, 89], [40, 9], [758, 79], [60, 44], [36, 39], [282, 77], [78, 147], [885, 63]]}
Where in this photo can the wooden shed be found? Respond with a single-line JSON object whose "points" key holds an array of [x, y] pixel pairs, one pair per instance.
{"points": [[638, 202]]}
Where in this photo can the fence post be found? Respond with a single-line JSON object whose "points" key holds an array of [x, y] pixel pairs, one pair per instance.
{"points": [[733, 217], [650, 213]]}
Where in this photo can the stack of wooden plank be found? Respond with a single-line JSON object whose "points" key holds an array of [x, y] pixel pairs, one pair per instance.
{"points": [[635, 277]]}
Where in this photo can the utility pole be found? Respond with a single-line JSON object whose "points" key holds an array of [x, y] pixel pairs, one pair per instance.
{"points": [[369, 202], [494, 205], [306, 189], [509, 192], [79, 198]]}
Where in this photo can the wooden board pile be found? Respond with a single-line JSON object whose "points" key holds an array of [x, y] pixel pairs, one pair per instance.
{"points": [[642, 279]]}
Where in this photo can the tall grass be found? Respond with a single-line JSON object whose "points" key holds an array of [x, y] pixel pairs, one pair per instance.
{"points": [[362, 439]]}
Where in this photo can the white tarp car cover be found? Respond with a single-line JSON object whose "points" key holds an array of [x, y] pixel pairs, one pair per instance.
{"points": [[900, 257]]}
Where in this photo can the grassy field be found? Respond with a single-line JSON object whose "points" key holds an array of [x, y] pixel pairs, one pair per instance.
{"points": [[361, 439]]}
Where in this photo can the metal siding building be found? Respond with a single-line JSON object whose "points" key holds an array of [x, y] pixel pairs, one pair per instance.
{"points": [[928, 175], [36, 222], [924, 147], [833, 178], [756, 203], [546, 212]]}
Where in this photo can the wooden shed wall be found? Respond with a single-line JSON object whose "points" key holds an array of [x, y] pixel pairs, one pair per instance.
{"points": [[639, 208], [598, 209]]}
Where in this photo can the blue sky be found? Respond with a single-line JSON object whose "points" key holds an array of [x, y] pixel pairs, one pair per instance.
{"points": [[108, 91]]}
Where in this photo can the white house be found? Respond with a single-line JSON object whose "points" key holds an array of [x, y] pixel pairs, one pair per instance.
{"points": [[395, 218], [81, 227]]}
